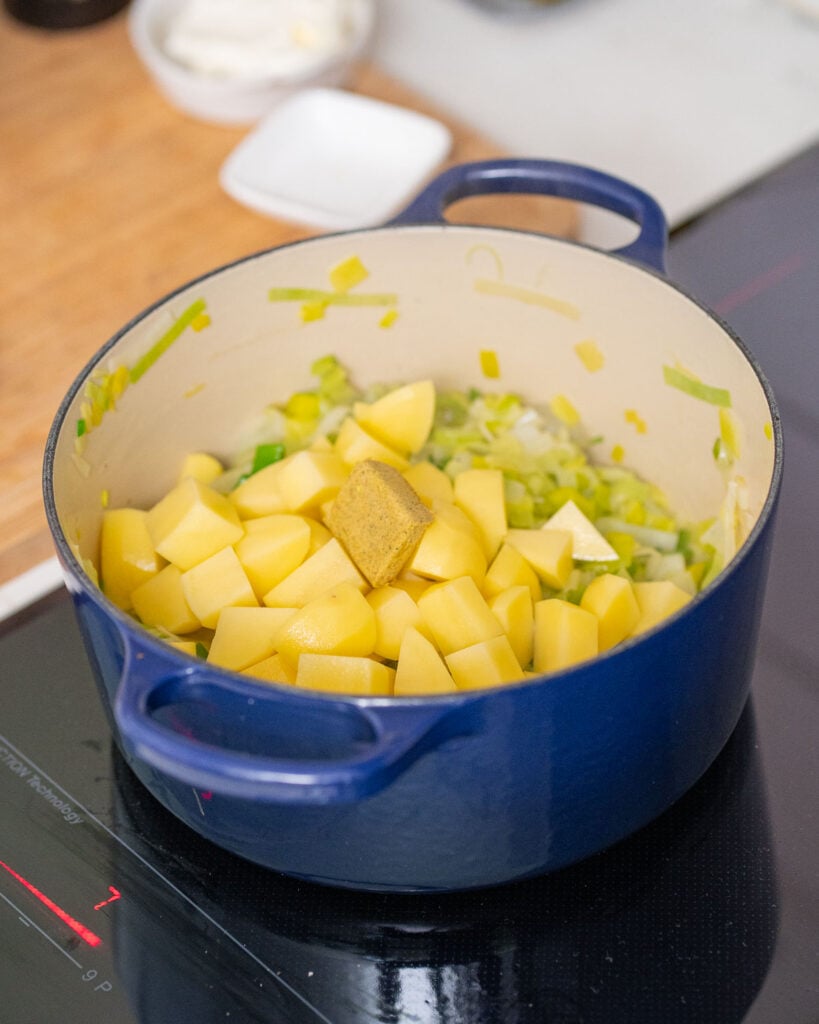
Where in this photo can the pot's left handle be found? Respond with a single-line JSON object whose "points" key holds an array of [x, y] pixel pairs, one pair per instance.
{"points": [[548, 178], [378, 742]]}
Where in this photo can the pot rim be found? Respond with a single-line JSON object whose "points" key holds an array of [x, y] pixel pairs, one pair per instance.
{"points": [[246, 684]]}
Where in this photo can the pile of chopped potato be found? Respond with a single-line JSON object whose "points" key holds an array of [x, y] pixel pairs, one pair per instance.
{"points": [[355, 565]]}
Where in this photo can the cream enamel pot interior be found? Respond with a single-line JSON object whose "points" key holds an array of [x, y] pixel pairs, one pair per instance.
{"points": [[484, 786]]}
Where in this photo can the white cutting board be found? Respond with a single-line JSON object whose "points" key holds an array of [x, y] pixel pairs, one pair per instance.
{"points": [[689, 99]]}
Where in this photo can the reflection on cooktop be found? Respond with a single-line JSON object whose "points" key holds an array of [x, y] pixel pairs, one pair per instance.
{"points": [[675, 924]]}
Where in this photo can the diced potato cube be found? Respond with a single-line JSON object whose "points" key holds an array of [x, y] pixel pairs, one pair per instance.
{"points": [[218, 582], [549, 552], [379, 519], [343, 674], [323, 570], [260, 495], [319, 535], [395, 611], [161, 601], [127, 556], [479, 493], [430, 483], [450, 547], [309, 478], [338, 622], [514, 610], [421, 670], [271, 670], [272, 547], [355, 445], [611, 598], [191, 523], [244, 636], [564, 635], [411, 584], [657, 599], [457, 615], [184, 647], [201, 466], [510, 569], [401, 419], [456, 517], [488, 663], [588, 543]]}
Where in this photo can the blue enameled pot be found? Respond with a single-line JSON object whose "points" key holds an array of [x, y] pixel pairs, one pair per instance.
{"points": [[481, 787]]}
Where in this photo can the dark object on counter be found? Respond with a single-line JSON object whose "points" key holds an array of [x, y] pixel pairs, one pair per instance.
{"points": [[63, 13]]}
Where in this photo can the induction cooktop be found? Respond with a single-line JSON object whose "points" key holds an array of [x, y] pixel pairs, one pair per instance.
{"points": [[113, 911]]}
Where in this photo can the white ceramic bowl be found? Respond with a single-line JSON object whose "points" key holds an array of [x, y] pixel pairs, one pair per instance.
{"points": [[380, 155], [231, 99]]}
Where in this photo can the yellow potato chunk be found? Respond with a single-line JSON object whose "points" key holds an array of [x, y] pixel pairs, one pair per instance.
{"points": [[395, 611], [430, 483], [272, 547], [457, 615], [657, 600], [161, 601], [401, 419], [450, 547], [309, 478], [355, 445], [588, 544], [549, 552], [338, 622], [218, 582], [514, 610], [244, 636], [420, 670], [201, 466], [191, 523], [411, 584], [271, 670], [343, 674], [564, 635], [127, 556], [260, 495], [379, 519], [479, 493], [510, 569], [323, 570], [611, 598], [184, 646], [488, 663], [319, 534]]}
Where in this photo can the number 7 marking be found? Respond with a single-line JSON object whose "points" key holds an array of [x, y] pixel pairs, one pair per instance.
{"points": [[116, 894]]}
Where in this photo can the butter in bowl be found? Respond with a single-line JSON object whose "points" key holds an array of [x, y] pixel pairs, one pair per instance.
{"points": [[232, 61]]}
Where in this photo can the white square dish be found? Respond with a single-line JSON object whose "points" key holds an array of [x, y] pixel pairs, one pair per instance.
{"points": [[334, 159]]}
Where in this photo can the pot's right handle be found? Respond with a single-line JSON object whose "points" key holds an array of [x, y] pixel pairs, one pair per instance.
{"points": [[550, 178]]}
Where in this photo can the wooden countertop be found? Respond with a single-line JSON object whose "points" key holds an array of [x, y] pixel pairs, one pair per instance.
{"points": [[109, 198]]}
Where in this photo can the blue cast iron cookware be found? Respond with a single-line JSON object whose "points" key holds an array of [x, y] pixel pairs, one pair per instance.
{"points": [[481, 787]]}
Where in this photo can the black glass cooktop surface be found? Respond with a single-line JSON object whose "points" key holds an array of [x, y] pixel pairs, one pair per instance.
{"points": [[112, 911]]}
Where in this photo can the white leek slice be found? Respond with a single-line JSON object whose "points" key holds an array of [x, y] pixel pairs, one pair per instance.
{"points": [[662, 540], [588, 543]]}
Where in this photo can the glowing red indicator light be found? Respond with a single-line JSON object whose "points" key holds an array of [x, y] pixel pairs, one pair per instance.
{"points": [[84, 933], [115, 895]]}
